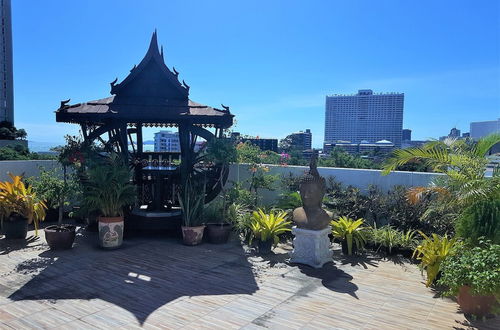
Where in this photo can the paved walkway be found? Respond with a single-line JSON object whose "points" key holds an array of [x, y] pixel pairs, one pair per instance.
{"points": [[158, 283]]}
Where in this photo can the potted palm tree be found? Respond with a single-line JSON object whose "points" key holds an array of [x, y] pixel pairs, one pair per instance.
{"points": [[19, 206], [107, 189]]}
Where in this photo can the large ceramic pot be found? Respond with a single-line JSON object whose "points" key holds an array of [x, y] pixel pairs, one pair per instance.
{"points": [[265, 246], [15, 227], [218, 233], [192, 235], [110, 232], [60, 237], [476, 305]]}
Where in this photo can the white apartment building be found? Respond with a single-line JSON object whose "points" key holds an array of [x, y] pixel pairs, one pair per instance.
{"points": [[364, 117], [167, 141]]}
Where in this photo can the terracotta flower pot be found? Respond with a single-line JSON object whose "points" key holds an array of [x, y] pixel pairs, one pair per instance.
{"points": [[192, 235], [60, 237], [476, 305], [218, 233], [110, 232], [15, 227]]}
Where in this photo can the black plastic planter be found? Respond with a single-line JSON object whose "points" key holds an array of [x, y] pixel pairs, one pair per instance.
{"points": [[15, 227]]}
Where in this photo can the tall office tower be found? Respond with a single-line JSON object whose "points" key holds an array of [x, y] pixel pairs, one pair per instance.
{"points": [[480, 129], [406, 134], [6, 79], [364, 117], [166, 141]]}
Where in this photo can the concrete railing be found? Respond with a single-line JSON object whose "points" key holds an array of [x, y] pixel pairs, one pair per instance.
{"points": [[360, 178], [27, 168]]}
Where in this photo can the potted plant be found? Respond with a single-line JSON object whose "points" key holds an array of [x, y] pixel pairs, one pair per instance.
{"points": [[221, 152], [107, 189], [348, 231], [432, 252], [266, 228], [192, 199], [19, 206], [219, 224], [53, 187], [473, 275]]}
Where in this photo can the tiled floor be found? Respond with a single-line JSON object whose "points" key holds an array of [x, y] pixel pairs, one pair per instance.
{"points": [[159, 283]]}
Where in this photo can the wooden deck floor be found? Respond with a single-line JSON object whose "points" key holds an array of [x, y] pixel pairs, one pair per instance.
{"points": [[157, 283]]}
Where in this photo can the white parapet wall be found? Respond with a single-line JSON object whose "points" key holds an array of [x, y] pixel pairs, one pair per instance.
{"points": [[359, 178], [27, 168]]}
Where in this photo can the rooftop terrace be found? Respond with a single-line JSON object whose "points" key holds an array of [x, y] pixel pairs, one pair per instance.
{"points": [[157, 283]]}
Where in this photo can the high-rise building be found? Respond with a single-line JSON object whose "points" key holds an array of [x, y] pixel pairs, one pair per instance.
{"points": [[6, 78], [454, 133], [480, 129], [364, 117], [166, 141], [298, 141], [406, 134]]}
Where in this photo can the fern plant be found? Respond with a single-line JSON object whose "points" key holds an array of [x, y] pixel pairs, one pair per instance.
{"points": [[350, 231], [432, 252]]}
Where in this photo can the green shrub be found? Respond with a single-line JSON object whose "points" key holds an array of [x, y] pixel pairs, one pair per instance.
{"points": [[289, 201], [480, 220], [478, 268]]}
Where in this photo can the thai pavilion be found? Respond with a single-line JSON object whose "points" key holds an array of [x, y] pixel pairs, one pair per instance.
{"points": [[152, 96]]}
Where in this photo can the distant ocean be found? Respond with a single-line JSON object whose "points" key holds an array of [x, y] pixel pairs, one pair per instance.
{"points": [[35, 146]]}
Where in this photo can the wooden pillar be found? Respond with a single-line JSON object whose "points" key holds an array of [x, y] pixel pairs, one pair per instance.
{"points": [[139, 139], [184, 133]]}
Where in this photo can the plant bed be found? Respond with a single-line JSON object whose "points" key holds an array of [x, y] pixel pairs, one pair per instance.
{"points": [[60, 237], [218, 233]]}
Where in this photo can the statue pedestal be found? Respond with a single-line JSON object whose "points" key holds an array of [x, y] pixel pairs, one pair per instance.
{"points": [[311, 247]]}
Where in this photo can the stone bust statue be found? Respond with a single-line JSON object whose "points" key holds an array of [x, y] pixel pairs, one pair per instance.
{"points": [[312, 189]]}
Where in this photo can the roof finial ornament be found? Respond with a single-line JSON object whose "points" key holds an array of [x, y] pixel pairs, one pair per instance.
{"points": [[113, 82], [133, 68], [175, 72], [225, 107], [185, 85], [161, 51], [63, 103]]}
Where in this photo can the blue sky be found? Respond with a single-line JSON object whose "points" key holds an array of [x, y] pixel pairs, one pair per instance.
{"points": [[272, 62]]}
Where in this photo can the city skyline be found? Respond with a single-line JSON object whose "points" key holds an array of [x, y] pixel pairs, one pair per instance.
{"points": [[445, 59]]}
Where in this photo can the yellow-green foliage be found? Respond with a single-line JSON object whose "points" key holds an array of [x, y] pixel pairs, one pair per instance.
{"points": [[268, 226], [16, 197], [432, 252], [350, 230]]}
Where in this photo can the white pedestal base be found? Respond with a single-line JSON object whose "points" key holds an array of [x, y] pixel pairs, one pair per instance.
{"points": [[311, 247]]}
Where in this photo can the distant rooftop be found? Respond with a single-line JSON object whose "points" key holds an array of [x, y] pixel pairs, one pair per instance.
{"points": [[365, 92]]}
